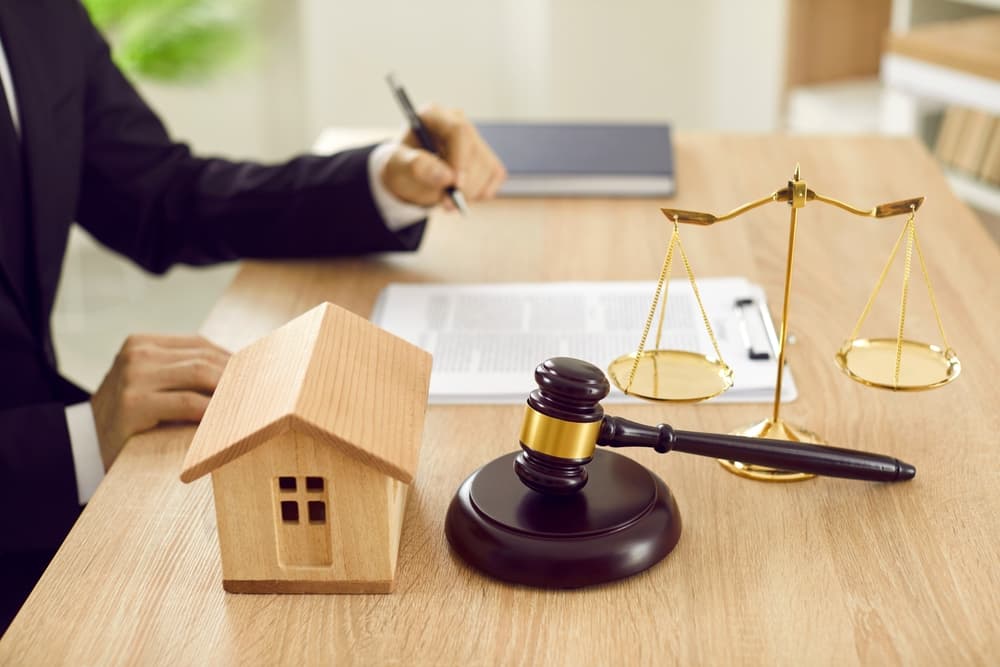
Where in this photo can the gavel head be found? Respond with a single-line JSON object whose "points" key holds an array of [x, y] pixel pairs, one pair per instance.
{"points": [[561, 424]]}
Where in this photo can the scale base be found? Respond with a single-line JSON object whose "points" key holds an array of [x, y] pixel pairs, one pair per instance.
{"points": [[622, 522], [776, 430]]}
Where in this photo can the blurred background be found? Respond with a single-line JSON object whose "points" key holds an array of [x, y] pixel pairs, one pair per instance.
{"points": [[261, 79]]}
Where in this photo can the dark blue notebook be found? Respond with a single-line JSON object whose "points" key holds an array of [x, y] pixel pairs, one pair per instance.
{"points": [[592, 159]]}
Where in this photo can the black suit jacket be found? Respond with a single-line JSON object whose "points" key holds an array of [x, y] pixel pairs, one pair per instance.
{"points": [[96, 154]]}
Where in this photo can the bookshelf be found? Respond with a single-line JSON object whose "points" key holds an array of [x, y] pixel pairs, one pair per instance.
{"points": [[948, 66], [903, 67]]}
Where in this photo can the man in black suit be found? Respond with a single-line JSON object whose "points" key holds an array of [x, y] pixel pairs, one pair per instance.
{"points": [[78, 144]]}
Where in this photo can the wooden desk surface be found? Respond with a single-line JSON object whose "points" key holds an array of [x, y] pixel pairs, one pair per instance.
{"points": [[819, 572]]}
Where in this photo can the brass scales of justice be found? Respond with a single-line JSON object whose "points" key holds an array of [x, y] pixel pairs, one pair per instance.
{"points": [[893, 363]]}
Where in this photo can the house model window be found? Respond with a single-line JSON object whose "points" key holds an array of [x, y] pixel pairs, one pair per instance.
{"points": [[289, 499], [303, 538]]}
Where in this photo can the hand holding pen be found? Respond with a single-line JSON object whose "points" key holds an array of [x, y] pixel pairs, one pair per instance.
{"points": [[442, 158]]}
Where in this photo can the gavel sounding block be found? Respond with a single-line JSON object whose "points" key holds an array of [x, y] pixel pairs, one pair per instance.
{"points": [[622, 522]]}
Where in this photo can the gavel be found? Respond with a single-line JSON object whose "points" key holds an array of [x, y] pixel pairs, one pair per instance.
{"points": [[564, 422]]}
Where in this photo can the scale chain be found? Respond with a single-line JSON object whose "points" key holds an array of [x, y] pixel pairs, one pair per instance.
{"points": [[701, 306], [907, 264], [909, 231], [664, 272], [675, 241], [878, 285], [930, 289]]}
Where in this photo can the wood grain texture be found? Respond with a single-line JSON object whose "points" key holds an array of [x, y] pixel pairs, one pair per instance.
{"points": [[328, 396], [830, 40], [356, 539], [824, 572], [330, 373], [970, 45]]}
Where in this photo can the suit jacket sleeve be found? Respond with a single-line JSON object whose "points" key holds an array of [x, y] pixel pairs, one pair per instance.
{"points": [[152, 200]]}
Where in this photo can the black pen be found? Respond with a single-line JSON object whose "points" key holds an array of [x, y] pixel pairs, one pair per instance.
{"points": [[423, 136]]}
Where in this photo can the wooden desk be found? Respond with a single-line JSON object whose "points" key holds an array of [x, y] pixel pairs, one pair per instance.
{"points": [[819, 572]]}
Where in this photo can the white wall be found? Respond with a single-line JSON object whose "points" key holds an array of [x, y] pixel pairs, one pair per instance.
{"points": [[716, 64]]}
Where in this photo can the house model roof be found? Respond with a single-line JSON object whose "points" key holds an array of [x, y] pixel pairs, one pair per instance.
{"points": [[328, 374]]}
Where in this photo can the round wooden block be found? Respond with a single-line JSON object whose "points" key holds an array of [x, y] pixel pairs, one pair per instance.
{"points": [[622, 522]]}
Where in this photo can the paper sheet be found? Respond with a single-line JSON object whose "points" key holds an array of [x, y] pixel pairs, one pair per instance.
{"points": [[486, 339]]}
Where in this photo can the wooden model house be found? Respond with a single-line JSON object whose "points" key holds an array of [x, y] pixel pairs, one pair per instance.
{"points": [[312, 439]]}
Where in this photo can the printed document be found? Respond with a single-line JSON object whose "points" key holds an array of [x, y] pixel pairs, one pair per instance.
{"points": [[486, 339]]}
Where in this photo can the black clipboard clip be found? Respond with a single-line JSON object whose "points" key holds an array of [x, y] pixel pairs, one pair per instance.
{"points": [[753, 330]]}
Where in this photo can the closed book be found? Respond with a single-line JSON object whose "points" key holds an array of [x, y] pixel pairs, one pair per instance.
{"points": [[584, 160], [948, 135], [972, 142], [990, 169]]}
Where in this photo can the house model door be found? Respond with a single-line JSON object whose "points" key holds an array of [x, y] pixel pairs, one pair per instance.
{"points": [[301, 515]]}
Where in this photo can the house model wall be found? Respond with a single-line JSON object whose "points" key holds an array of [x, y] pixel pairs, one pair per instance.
{"points": [[312, 439]]}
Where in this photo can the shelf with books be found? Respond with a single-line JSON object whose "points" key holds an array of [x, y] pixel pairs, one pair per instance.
{"points": [[954, 66]]}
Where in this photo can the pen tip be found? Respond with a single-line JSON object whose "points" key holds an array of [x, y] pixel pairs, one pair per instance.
{"points": [[459, 199]]}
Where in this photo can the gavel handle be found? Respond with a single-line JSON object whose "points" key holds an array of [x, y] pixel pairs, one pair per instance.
{"points": [[781, 454]]}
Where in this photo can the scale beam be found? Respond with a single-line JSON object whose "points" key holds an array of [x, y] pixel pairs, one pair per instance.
{"points": [[703, 219]]}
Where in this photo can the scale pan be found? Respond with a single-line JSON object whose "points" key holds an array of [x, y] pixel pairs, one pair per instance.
{"points": [[872, 361], [671, 375]]}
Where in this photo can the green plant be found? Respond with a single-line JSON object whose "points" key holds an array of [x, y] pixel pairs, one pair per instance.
{"points": [[170, 40]]}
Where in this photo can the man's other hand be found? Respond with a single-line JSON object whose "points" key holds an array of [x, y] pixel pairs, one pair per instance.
{"points": [[154, 379], [466, 161]]}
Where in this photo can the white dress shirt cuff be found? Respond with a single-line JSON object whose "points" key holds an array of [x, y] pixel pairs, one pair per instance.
{"points": [[86, 451], [395, 212]]}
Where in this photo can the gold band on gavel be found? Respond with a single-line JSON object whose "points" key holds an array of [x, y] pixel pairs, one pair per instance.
{"points": [[557, 437]]}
